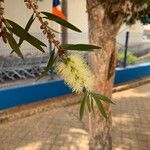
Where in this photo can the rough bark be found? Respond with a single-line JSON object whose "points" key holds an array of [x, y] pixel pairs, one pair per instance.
{"points": [[102, 32]]}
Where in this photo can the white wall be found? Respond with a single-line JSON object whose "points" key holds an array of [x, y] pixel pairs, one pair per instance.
{"points": [[16, 10], [78, 16], [135, 35]]}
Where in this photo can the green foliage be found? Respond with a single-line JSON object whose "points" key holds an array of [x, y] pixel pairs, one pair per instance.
{"points": [[19, 31], [80, 47], [92, 107], [143, 11], [60, 21], [128, 11], [100, 107], [51, 61], [13, 44], [31, 20], [12, 27], [91, 98], [82, 106], [53, 30], [138, 10], [131, 58], [102, 97]]}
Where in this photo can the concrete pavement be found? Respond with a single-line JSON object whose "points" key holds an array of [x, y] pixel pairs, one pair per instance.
{"points": [[60, 129]]}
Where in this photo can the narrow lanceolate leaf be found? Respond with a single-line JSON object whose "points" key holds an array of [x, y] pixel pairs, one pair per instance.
{"points": [[30, 22], [54, 30], [80, 47], [30, 39], [60, 21], [82, 107], [51, 61], [88, 103], [21, 30], [102, 97], [100, 107], [13, 44], [92, 106], [18, 30], [7, 23], [50, 64]]}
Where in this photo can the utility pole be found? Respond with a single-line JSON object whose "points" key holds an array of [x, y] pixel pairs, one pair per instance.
{"points": [[126, 49], [64, 35]]}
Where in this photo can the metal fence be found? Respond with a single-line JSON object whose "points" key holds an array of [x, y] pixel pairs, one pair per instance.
{"points": [[138, 48], [14, 71]]}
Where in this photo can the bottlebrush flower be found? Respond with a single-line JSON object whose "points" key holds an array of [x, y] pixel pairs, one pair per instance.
{"points": [[75, 73]]}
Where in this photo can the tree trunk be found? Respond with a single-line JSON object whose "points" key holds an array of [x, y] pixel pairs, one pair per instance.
{"points": [[102, 64], [64, 36]]}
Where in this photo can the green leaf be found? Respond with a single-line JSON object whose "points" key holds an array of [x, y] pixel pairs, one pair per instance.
{"points": [[7, 24], [100, 107], [50, 63], [82, 107], [13, 44], [60, 21], [19, 31], [88, 103], [31, 20], [92, 106], [30, 39], [54, 30], [102, 97], [80, 47]]}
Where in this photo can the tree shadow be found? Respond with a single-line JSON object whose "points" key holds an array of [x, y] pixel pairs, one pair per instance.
{"points": [[61, 129], [131, 121], [53, 130]]}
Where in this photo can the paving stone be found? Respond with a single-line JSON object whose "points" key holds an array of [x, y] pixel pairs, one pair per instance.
{"points": [[132, 119], [61, 129]]}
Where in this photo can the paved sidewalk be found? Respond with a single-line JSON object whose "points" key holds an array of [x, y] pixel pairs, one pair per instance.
{"points": [[131, 119], [61, 129]]}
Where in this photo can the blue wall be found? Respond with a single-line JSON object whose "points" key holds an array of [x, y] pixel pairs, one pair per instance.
{"points": [[132, 73], [10, 97], [19, 95]]}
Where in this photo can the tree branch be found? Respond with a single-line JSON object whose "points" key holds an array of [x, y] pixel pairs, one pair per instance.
{"points": [[94, 4], [45, 28]]}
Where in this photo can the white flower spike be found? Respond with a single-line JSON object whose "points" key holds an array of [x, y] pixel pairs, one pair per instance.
{"points": [[75, 73]]}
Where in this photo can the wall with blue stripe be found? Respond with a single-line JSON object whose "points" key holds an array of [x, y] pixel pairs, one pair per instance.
{"points": [[132, 73], [20, 95]]}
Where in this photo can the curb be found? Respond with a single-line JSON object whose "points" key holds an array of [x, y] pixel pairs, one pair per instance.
{"points": [[20, 112], [131, 84]]}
